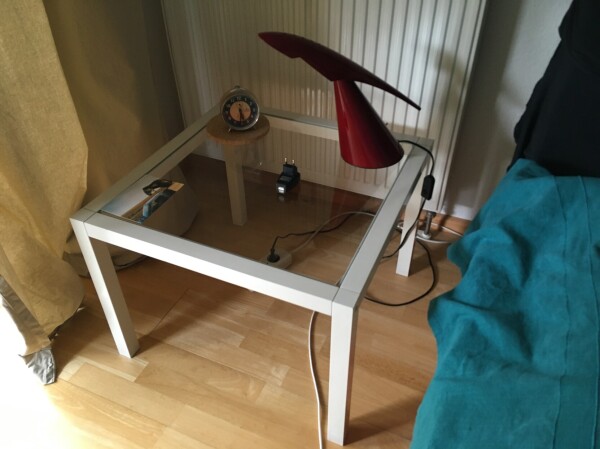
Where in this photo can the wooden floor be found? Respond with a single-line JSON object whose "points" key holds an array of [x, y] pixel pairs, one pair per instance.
{"points": [[224, 367]]}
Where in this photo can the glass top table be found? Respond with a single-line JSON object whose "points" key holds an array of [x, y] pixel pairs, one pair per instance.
{"points": [[210, 201]]}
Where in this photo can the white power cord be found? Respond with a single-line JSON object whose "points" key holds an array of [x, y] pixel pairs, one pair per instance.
{"points": [[314, 314], [451, 231], [314, 378]]}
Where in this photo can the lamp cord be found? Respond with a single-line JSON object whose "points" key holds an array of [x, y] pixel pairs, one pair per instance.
{"points": [[313, 233], [434, 281], [427, 150], [406, 234], [319, 229]]}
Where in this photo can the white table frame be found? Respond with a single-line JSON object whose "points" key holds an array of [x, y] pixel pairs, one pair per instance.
{"points": [[95, 230]]}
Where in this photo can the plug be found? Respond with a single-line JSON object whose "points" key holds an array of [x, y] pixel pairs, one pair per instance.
{"points": [[273, 256], [288, 178], [281, 259]]}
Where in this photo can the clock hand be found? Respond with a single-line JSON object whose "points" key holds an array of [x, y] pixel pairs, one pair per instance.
{"points": [[241, 113]]}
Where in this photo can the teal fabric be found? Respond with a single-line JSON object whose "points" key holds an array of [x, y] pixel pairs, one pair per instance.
{"points": [[518, 338]]}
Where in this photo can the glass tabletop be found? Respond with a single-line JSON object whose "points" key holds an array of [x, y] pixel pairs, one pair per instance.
{"points": [[282, 197]]}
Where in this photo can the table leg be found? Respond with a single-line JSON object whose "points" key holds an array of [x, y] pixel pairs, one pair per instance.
{"points": [[235, 183], [106, 282], [343, 331], [410, 215]]}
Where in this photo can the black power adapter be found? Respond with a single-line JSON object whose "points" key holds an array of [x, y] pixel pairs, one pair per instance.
{"points": [[289, 177]]}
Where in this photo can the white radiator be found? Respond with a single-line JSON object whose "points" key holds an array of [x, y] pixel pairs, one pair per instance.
{"points": [[425, 48]]}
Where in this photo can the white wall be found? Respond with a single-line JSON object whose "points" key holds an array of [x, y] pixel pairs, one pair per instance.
{"points": [[517, 41]]}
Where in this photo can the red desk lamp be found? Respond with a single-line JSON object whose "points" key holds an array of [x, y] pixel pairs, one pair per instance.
{"points": [[365, 141]]}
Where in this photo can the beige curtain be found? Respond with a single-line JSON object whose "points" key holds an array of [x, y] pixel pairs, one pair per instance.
{"points": [[43, 160], [86, 91], [118, 68]]}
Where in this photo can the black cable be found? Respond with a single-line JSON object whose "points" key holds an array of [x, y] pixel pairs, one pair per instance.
{"points": [[333, 228], [403, 241], [427, 150], [434, 280], [322, 231]]}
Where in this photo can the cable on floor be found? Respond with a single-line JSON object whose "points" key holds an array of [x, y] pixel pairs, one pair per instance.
{"points": [[319, 230], [451, 231], [434, 281], [314, 378], [431, 240], [406, 234]]}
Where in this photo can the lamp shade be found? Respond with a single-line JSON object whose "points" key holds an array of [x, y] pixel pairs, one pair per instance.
{"points": [[365, 141]]}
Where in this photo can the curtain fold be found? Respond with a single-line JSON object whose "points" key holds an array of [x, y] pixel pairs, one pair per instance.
{"points": [[43, 164], [107, 60], [118, 68], [86, 93]]}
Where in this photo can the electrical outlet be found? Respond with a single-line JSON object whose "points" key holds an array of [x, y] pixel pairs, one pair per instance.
{"points": [[284, 261]]}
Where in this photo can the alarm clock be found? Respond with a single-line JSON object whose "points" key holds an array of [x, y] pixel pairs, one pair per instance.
{"points": [[239, 109]]}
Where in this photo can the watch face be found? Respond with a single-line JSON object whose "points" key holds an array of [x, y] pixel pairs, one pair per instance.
{"points": [[240, 111]]}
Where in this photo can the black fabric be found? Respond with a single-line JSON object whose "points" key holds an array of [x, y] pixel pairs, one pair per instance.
{"points": [[580, 31], [560, 128]]}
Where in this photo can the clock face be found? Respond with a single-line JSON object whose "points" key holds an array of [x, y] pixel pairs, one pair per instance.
{"points": [[240, 110]]}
